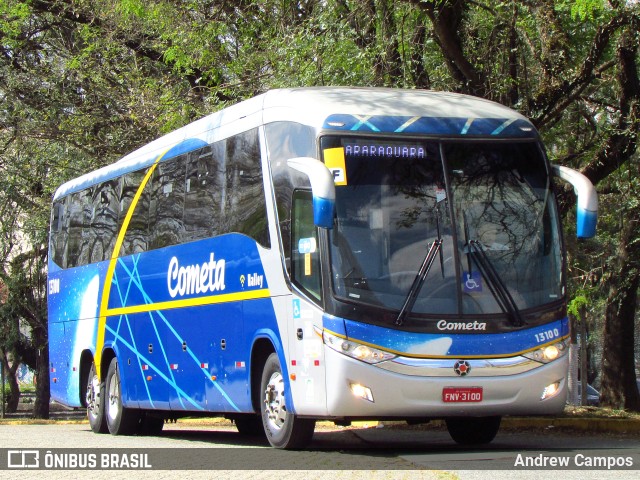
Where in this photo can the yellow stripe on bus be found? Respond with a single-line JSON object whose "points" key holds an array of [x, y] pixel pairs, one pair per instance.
{"points": [[106, 290], [189, 302]]}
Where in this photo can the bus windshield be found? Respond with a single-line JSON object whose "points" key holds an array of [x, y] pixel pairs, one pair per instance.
{"points": [[493, 218]]}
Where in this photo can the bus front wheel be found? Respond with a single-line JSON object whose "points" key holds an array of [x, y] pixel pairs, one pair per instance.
{"points": [[120, 420], [473, 430], [282, 428], [95, 402]]}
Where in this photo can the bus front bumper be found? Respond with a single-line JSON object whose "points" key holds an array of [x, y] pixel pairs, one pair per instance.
{"points": [[358, 390]]}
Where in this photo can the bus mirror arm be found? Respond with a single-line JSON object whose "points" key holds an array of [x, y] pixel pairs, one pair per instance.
{"points": [[322, 187], [587, 201]]}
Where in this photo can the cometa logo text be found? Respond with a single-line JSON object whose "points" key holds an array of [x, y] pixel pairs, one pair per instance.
{"points": [[444, 325], [200, 278]]}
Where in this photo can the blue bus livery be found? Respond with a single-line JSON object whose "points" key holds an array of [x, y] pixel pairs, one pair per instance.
{"points": [[317, 253]]}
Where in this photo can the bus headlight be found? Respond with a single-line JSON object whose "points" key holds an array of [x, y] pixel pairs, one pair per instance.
{"points": [[549, 353], [355, 350]]}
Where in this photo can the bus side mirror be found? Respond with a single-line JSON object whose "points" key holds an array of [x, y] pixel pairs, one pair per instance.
{"points": [[322, 188], [587, 204]]}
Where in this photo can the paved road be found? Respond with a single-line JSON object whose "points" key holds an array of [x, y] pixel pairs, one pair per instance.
{"points": [[364, 453]]}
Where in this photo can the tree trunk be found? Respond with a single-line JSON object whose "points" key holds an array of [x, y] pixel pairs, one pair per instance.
{"points": [[619, 389], [446, 18], [10, 377], [43, 394]]}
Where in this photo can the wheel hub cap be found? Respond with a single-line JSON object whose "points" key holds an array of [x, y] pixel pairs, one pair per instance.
{"points": [[274, 401]]}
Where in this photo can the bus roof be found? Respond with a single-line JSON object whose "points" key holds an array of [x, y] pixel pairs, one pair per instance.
{"points": [[383, 110], [320, 102]]}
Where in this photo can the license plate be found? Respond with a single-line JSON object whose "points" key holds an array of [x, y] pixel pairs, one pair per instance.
{"points": [[461, 394]]}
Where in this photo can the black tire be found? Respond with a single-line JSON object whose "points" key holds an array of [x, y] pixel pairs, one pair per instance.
{"points": [[473, 430], [282, 428], [120, 420], [95, 399], [249, 425], [150, 424]]}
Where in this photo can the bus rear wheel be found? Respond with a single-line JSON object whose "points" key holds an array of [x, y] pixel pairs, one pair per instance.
{"points": [[120, 420], [94, 399], [473, 430], [283, 428]]}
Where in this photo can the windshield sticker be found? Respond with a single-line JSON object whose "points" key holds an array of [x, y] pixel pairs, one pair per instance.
{"points": [[334, 160], [307, 245], [307, 264], [473, 282]]}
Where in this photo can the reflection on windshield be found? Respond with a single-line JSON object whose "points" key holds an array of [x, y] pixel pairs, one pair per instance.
{"points": [[501, 201], [391, 209], [392, 204], [494, 281]]}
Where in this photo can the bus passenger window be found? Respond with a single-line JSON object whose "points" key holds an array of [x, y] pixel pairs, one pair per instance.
{"points": [[245, 205], [59, 229], [166, 206], [305, 256], [80, 211], [104, 221], [287, 140], [204, 188], [137, 234]]}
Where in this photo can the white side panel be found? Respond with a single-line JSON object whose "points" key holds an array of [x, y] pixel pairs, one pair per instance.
{"points": [[307, 362], [305, 357]]}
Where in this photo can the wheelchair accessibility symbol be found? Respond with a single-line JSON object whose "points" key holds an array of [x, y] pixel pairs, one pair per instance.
{"points": [[472, 282]]}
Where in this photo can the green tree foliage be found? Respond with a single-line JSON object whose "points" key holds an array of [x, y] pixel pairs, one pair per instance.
{"points": [[82, 82]]}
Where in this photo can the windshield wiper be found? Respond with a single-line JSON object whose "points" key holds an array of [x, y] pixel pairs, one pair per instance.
{"points": [[419, 280], [496, 285]]}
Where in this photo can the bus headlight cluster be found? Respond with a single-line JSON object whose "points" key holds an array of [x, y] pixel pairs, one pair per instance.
{"points": [[356, 350], [549, 353]]}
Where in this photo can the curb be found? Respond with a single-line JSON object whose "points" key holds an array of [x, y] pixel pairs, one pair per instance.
{"points": [[593, 425]]}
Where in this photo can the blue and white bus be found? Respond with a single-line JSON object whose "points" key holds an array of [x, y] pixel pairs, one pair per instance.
{"points": [[318, 253]]}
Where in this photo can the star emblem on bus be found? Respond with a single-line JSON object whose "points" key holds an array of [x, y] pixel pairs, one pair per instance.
{"points": [[462, 368]]}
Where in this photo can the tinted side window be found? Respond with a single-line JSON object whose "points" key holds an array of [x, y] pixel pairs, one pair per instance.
{"points": [[205, 187], [104, 221], [137, 234], [167, 203], [80, 213], [59, 233], [287, 140], [243, 201], [211, 191]]}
